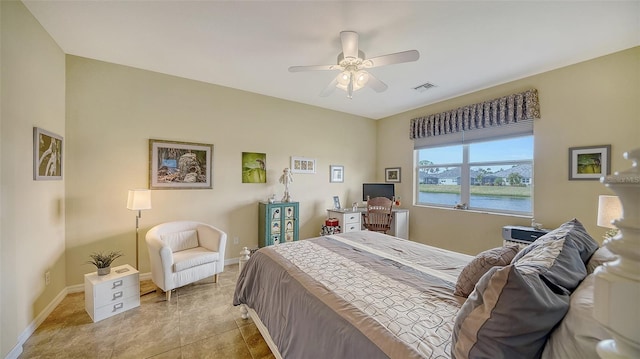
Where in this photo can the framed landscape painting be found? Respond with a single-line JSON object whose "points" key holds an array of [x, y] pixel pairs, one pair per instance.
{"points": [[180, 165], [47, 155], [589, 163]]}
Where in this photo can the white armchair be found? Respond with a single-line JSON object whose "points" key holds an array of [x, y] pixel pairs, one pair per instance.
{"points": [[183, 252]]}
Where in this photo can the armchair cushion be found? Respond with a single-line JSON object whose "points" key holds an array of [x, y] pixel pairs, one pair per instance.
{"points": [[179, 241], [193, 257]]}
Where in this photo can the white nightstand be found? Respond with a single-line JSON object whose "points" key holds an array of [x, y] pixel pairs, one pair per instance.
{"points": [[108, 295]]}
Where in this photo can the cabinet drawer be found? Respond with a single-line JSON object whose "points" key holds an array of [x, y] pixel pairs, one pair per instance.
{"points": [[115, 289], [351, 227], [351, 218], [108, 294], [116, 307]]}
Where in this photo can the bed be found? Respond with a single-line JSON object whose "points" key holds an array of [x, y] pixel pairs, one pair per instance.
{"points": [[369, 295]]}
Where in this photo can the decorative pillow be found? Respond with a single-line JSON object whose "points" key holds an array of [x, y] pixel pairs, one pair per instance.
{"points": [[572, 230], [601, 256], [509, 315], [559, 257], [579, 332], [179, 241], [479, 265]]}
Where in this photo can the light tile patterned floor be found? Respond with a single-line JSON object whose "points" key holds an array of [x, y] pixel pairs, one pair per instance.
{"points": [[199, 322]]}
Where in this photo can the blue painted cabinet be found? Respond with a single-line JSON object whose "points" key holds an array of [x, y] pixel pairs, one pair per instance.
{"points": [[278, 223]]}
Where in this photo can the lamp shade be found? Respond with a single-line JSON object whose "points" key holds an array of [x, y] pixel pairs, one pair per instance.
{"points": [[609, 209], [139, 199]]}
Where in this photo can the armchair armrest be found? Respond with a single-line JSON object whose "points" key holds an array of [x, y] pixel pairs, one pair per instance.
{"points": [[213, 239], [161, 258]]}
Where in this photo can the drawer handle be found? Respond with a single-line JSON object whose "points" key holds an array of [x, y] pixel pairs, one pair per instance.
{"points": [[117, 295], [118, 306], [117, 284]]}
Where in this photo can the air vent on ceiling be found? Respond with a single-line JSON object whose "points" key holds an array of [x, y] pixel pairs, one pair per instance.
{"points": [[424, 87]]}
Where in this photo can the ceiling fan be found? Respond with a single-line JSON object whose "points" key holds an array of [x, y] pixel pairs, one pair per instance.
{"points": [[352, 65]]}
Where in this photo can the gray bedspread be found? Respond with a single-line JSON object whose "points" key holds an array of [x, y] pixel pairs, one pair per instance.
{"points": [[354, 295]]}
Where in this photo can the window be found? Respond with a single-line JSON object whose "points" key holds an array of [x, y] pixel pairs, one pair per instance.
{"points": [[493, 175]]}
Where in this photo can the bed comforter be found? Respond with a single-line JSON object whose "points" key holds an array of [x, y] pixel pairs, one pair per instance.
{"points": [[354, 295]]}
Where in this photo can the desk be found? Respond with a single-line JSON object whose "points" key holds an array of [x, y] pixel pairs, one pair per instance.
{"points": [[351, 220]]}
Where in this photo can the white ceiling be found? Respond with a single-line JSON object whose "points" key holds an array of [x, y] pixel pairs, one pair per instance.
{"points": [[464, 46]]}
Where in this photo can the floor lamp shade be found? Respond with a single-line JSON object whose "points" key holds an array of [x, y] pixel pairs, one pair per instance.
{"points": [[609, 209], [139, 199]]}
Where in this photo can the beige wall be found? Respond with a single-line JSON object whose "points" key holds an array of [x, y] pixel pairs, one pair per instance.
{"points": [[32, 222], [113, 111], [590, 103]]}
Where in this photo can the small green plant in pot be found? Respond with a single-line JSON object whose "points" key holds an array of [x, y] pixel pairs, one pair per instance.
{"points": [[103, 261]]}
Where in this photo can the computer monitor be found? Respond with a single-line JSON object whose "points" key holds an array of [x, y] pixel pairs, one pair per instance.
{"points": [[378, 190]]}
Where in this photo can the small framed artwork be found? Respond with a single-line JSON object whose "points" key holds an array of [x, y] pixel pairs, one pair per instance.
{"points": [[47, 155], [336, 173], [303, 165], [336, 202], [180, 165], [254, 167], [392, 174], [589, 163]]}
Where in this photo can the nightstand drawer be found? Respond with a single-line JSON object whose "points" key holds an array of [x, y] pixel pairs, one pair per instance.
{"points": [[351, 218], [104, 295], [351, 227], [116, 307]]}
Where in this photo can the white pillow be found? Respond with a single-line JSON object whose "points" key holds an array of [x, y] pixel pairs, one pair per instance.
{"points": [[579, 332], [180, 241]]}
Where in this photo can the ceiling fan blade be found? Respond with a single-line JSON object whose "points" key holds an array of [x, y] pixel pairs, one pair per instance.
{"points": [[398, 57], [349, 41], [313, 68], [330, 88], [375, 84]]}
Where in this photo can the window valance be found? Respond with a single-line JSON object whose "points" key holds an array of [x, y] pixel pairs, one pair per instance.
{"points": [[497, 112]]}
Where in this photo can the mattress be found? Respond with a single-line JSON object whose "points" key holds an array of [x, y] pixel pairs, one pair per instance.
{"points": [[354, 295]]}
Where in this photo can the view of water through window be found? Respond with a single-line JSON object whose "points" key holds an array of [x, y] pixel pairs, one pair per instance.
{"points": [[500, 175]]}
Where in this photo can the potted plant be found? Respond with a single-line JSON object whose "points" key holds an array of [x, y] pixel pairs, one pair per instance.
{"points": [[103, 261]]}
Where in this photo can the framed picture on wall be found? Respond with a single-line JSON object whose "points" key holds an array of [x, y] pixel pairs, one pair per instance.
{"points": [[392, 174], [180, 165], [589, 163], [254, 167], [47, 155], [303, 165], [336, 173]]}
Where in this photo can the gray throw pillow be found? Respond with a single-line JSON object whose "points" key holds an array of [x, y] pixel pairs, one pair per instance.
{"points": [[509, 315], [559, 256], [472, 272]]}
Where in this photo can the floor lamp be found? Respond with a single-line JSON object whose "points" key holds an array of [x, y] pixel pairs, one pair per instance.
{"points": [[138, 200]]}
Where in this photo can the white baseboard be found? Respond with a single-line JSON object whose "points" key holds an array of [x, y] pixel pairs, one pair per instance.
{"points": [[31, 328]]}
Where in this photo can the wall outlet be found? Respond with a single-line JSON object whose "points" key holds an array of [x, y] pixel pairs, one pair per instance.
{"points": [[236, 240], [47, 278]]}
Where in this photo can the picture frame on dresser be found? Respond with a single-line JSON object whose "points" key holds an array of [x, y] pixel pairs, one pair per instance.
{"points": [[336, 202]]}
